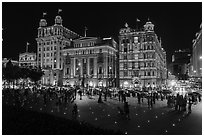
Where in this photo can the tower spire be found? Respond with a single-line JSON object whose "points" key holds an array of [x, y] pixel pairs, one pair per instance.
{"points": [[85, 29]]}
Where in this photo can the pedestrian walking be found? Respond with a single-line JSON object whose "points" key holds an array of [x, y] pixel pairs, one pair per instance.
{"points": [[126, 110], [138, 97], [75, 111], [189, 104]]}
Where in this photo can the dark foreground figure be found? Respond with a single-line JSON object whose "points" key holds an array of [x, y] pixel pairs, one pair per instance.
{"points": [[24, 122]]}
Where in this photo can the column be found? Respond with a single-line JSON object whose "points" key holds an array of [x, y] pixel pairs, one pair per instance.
{"points": [[73, 67], [88, 61], [95, 67]]}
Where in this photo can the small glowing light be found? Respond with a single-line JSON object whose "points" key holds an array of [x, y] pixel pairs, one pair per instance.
{"points": [[40, 108], [96, 119], [179, 119], [148, 121], [64, 113], [92, 112], [173, 125], [31, 107], [138, 126], [156, 117], [162, 113], [136, 114], [126, 132], [115, 122], [144, 111], [51, 110], [79, 116], [166, 131], [108, 115]]}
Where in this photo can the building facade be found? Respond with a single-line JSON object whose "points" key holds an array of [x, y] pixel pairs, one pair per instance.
{"points": [[27, 60], [196, 60], [5, 61], [51, 41], [90, 62], [141, 57], [180, 63]]}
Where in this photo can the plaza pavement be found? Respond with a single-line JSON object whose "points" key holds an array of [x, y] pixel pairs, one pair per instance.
{"points": [[159, 120]]}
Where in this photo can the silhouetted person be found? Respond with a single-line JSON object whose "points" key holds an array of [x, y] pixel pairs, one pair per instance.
{"points": [[126, 110], [75, 111], [189, 104]]}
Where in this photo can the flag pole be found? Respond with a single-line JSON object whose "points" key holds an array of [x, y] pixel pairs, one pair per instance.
{"points": [[27, 46]]}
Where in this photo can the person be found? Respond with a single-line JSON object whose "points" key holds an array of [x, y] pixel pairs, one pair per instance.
{"points": [[75, 111], [148, 100], [151, 100], [184, 103], [154, 98], [189, 104], [177, 102], [100, 99], [138, 97], [80, 94], [126, 110], [105, 94], [199, 97]]}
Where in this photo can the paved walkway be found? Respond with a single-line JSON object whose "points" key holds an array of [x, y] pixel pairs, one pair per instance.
{"points": [[157, 120]]}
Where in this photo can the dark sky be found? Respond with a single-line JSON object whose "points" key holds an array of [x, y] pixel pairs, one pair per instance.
{"points": [[175, 23]]}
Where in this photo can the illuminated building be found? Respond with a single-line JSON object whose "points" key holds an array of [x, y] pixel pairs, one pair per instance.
{"points": [[179, 66], [27, 59], [90, 61], [51, 41], [196, 70], [141, 57]]}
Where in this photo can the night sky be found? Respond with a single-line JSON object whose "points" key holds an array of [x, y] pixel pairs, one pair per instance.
{"points": [[175, 23]]}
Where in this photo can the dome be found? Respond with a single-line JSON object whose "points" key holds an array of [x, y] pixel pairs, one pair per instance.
{"points": [[58, 20], [43, 23], [149, 26]]}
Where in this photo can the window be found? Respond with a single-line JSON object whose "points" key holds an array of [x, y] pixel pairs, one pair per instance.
{"points": [[133, 65], [135, 39], [48, 48], [67, 71], [125, 73], [125, 48], [39, 49], [51, 48], [48, 54], [55, 47], [125, 56], [125, 66], [100, 70], [149, 73]]}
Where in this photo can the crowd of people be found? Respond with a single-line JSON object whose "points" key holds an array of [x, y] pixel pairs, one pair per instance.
{"points": [[62, 96]]}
